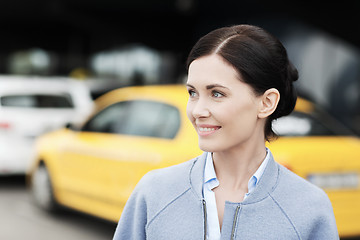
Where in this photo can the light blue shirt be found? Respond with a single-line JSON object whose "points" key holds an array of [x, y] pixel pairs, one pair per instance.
{"points": [[211, 181]]}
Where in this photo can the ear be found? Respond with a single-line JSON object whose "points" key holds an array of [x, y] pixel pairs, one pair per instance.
{"points": [[268, 102]]}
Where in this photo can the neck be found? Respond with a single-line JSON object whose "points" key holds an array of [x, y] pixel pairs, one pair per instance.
{"points": [[234, 168]]}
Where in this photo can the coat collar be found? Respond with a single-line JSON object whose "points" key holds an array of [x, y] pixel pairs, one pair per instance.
{"points": [[266, 184], [196, 175]]}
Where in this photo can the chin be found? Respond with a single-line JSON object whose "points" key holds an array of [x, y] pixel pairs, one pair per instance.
{"points": [[207, 147]]}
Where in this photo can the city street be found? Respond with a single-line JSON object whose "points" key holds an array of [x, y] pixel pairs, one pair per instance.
{"points": [[21, 219]]}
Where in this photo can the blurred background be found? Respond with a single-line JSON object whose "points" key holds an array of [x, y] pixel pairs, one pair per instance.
{"points": [[107, 44], [116, 43]]}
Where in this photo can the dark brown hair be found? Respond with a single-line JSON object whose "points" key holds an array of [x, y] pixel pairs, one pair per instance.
{"points": [[260, 60]]}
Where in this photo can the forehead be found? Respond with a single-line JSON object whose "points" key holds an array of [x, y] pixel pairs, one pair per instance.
{"points": [[212, 69]]}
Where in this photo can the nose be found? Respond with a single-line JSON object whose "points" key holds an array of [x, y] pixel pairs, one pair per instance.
{"points": [[198, 109]]}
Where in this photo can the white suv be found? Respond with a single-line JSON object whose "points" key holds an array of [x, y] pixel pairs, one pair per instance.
{"points": [[31, 106]]}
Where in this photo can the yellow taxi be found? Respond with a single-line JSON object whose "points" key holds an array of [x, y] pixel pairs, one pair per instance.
{"points": [[94, 167]]}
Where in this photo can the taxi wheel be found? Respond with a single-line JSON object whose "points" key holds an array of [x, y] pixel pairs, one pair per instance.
{"points": [[42, 190]]}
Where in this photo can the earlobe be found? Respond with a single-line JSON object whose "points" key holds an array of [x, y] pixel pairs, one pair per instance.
{"points": [[269, 102]]}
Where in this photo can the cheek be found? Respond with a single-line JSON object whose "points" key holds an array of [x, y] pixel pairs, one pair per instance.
{"points": [[244, 116], [189, 109]]}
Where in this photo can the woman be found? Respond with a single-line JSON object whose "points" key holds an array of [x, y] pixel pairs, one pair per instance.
{"points": [[239, 81]]}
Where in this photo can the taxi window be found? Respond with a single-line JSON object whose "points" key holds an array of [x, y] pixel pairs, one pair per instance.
{"points": [[138, 118], [300, 124], [152, 119], [109, 119]]}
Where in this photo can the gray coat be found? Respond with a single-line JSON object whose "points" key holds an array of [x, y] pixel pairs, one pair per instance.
{"points": [[169, 204]]}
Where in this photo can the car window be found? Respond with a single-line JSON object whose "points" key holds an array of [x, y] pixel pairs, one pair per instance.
{"points": [[300, 124], [37, 101], [109, 120], [153, 119], [138, 118]]}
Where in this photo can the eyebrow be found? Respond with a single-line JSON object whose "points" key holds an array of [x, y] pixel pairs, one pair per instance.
{"points": [[211, 86]]}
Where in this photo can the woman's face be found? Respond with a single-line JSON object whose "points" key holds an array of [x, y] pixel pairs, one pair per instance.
{"points": [[223, 109]]}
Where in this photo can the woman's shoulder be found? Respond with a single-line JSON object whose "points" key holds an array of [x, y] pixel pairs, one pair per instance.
{"points": [[176, 172], [159, 187], [305, 205], [174, 178], [289, 181], [293, 190]]}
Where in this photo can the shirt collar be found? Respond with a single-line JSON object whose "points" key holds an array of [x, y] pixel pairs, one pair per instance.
{"points": [[253, 181], [210, 174]]}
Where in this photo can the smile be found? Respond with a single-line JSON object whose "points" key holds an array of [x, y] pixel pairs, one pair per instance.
{"points": [[207, 130]]}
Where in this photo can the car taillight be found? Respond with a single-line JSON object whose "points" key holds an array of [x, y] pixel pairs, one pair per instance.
{"points": [[4, 125]]}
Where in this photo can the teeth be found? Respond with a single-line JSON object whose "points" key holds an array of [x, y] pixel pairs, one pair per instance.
{"points": [[206, 129]]}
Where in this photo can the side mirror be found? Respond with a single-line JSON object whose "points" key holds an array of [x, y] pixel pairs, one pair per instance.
{"points": [[71, 126]]}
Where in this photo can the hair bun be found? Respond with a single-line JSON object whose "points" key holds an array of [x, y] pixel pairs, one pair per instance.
{"points": [[292, 72]]}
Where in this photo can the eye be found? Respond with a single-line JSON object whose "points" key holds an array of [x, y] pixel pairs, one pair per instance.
{"points": [[192, 93], [217, 94]]}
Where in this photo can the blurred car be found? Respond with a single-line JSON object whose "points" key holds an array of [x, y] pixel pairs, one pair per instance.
{"points": [[94, 167], [31, 106]]}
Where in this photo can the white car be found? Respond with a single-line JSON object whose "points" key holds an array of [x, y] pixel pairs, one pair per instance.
{"points": [[31, 106]]}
